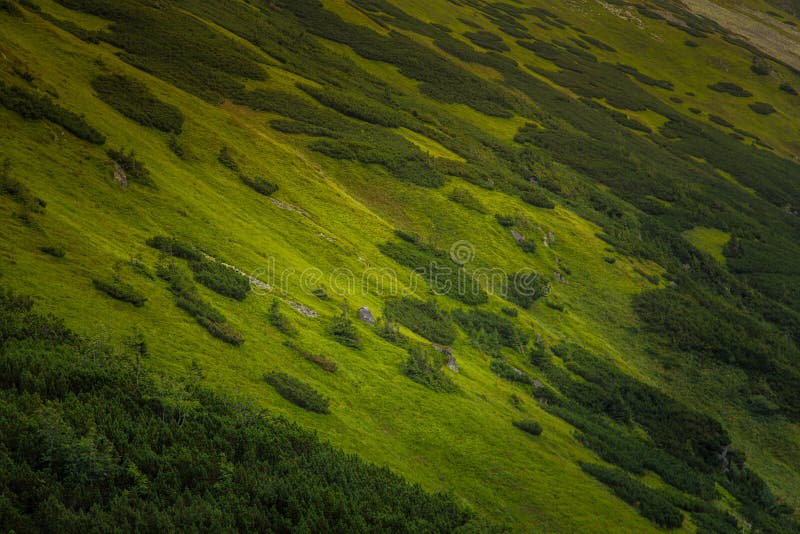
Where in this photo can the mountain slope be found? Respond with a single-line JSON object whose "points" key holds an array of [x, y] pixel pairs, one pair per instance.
{"points": [[372, 117]]}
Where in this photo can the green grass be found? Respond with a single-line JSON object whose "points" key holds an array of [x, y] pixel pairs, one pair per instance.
{"points": [[709, 240], [462, 442]]}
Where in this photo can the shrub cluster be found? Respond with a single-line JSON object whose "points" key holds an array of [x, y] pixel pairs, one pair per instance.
{"points": [[537, 197], [344, 331], [424, 366], [175, 247], [731, 89], [762, 108], [487, 40], [60, 472], [297, 392], [423, 317], [135, 170], [652, 504], [530, 426], [474, 321], [120, 290], [188, 299], [133, 99], [320, 360], [56, 252], [505, 370], [220, 278], [466, 199], [36, 107], [279, 320]]}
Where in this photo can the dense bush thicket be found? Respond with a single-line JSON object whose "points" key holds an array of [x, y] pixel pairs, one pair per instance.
{"points": [[468, 200], [116, 288], [297, 392], [476, 321], [523, 288], [651, 503], [438, 269], [92, 441], [424, 366], [279, 320], [220, 278], [37, 107], [505, 370], [259, 184], [762, 108], [133, 99], [487, 40], [423, 317]]}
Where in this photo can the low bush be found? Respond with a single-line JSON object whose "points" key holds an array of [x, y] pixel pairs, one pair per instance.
{"points": [[760, 66], [474, 321], [507, 371], [391, 333], [220, 278], [279, 320], [466, 199], [226, 158], [511, 312], [344, 331], [652, 504], [320, 360], [175, 247], [297, 392], [133, 99], [763, 108], [56, 252], [523, 288], [35, 107], [528, 246], [487, 40], [120, 290], [18, 191], [424, 366], [504, 220], [731, 89], [222, 331], [259, 185], [719, 120], [422, 317], [135, 170], [528, 425], [537, 197], [787, 88]]}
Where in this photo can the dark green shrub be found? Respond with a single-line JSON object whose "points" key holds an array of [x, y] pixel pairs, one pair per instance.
{"points": [[504, 220], [226, 158], [297, 392], [259, 185], [176, 147], [120, 290], [424, 366], [511, 312], [135, 170], [731, 89], [507, 371], [466, 199], [652, 504], [279, 320], [719, 120], [530, 426], [422, 317], [357, 106], [35, 107], [18, 191], [473, 321], [487, 40], [691, 44], [538, 355], [537, 197], [321, 293], [220, 278], [523, 288], [222, 331], [762, 108], [320, 360], [391, 333], [787, 88], [56, 252], [344, 331], [133, 99], [599, 44], [175, 247], [528, 246]]}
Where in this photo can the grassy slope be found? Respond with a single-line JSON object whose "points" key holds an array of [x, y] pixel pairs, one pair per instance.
{"points": [[463, 442]]}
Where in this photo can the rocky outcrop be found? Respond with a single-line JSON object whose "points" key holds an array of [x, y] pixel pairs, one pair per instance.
{"points": [[365, 315]]}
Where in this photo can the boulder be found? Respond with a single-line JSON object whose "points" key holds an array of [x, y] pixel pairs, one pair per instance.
{"points": [[365, 315], [518, 237]]}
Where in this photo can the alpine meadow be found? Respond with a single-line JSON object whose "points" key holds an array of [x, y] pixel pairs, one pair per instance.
{"points": [[400, 266]]}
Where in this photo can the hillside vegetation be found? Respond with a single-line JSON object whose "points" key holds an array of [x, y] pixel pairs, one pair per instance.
{"points": [[371, 265]]}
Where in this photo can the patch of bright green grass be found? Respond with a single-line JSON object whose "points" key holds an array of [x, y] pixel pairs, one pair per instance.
{"points": [[709, 240]]}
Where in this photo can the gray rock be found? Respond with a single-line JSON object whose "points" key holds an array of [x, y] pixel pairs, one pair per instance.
{"points": [[518, 237], [451, 363], [365, 315]]}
